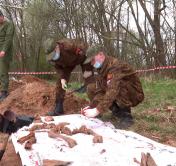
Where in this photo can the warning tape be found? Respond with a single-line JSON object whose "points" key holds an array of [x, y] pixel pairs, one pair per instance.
{"points": [[50, 73], [31, 73], [157, 68], [36, 73]]}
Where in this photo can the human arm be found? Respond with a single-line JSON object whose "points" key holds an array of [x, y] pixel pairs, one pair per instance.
{"points": [[64, 74]]}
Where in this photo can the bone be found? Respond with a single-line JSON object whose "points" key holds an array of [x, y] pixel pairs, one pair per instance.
{"points": [[25, 138], [83, 129], [97, 139], [147, 160], [56, 163], [29, 143], [71, 142]]}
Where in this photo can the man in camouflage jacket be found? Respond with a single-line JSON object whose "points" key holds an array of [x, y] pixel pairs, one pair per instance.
{"points": [[6, 41], [65, 55], [117, 87]]}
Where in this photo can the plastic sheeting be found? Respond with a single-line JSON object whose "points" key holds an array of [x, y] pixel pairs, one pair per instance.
{"points": [[119, 147]]}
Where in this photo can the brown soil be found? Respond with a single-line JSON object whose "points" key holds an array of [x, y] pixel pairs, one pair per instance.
{"points": [[33, 96], [10, 158]]}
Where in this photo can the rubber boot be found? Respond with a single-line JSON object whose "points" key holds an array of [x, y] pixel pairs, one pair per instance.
{"points": [[3, 95], [59, 110], [126, 119], [115, 109], [124, 114]]}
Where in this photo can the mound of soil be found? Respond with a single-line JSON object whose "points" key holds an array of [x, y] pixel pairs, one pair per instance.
{"points": [[16, 83], [31, 96]]}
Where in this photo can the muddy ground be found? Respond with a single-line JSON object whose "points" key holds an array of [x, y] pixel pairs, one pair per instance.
{"points": [[32, 96]]}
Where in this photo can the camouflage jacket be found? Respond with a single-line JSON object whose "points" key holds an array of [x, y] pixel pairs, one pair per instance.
{"points": [[72, 53], [118, 81]]}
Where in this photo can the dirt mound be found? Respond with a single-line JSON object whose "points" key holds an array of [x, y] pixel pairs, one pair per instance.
{"points": [[16, 83], [35, 96], [30, 79]]}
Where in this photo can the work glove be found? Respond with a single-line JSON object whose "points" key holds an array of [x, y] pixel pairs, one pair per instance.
{"points": [[90, 113], [83, 109], [64, 84]]}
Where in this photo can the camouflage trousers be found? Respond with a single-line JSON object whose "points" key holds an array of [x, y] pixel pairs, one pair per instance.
{"points": [[4, 77]]}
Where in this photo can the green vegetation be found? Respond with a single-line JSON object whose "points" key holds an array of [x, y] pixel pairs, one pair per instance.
{"points": [[155, 117], [158, 94], [76, 85]]}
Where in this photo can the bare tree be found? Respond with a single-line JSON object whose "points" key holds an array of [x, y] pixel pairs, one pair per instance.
{"points": [[95, 21], [155, 24]]}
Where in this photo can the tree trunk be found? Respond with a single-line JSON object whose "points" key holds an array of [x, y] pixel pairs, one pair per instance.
{"points": [[159, 58]]}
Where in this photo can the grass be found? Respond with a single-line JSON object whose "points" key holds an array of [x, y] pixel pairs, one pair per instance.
{"points": [[76, 85], [158, 93], [152, 117]]}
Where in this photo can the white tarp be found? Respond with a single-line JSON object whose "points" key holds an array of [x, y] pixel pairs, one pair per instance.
{"points": [[119, 147]]}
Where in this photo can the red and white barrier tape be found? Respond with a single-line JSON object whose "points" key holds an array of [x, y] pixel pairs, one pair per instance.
{"points": [[36, 73], [31, 73], [50, 73], [157, 68]]}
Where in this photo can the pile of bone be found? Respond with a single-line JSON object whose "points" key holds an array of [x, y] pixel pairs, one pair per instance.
{"points": [[56, 131]]}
